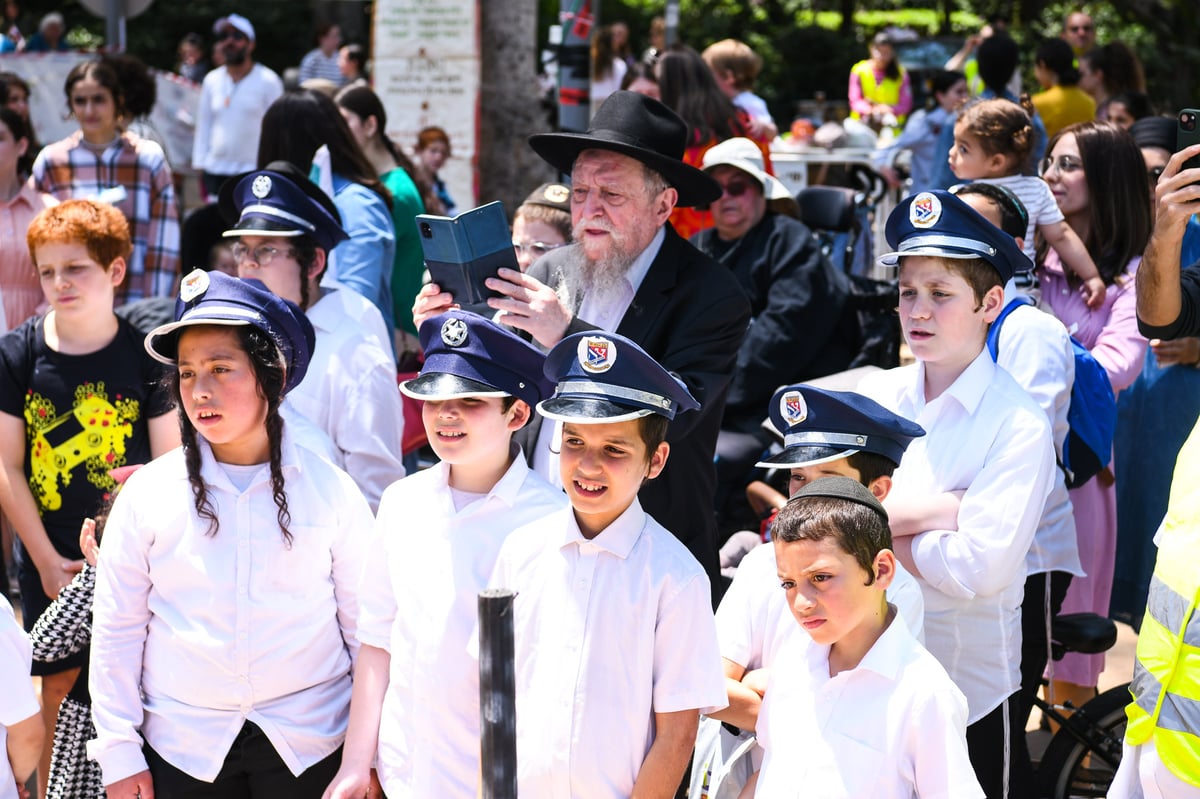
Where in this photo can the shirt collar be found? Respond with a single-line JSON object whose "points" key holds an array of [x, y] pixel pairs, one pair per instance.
{"points": [[618, 538], [507, 489], [969, 388], [887, 654], [212, 473], [641, 264]]}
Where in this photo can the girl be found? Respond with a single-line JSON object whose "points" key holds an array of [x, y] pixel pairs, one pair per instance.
{"points": [[1061, 102], [993, 140], [19, 204], [14, 94], [690, 90], [293, 129], [921, 134], [1109, 70], [879, 87], [224, 617], [364, 114], [1096, 174], [100, 161], [433, 150]]}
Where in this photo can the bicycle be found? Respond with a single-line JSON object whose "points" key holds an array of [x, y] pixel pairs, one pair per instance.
{"points": [[1083, 755]]}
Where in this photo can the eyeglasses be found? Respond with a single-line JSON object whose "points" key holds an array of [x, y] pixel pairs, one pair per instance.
{"points": [[262, 255], [1065, 164], [1154, 173], [231, 34], [536, 248]]}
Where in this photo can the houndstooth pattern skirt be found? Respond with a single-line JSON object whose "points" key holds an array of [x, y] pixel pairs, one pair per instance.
{"points": [[72, 775]]}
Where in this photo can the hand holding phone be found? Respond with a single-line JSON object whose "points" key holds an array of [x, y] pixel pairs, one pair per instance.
{"points": [[462, 252], [1187, 133]]}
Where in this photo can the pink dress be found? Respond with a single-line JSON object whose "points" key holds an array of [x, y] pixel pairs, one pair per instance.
{"points": [[1111, 334]]}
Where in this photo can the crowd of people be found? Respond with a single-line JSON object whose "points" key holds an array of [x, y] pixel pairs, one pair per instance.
{"points": [[241, 575]]}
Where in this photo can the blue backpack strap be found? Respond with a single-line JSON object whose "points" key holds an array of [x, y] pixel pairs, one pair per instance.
{"points": [[993, 337]]}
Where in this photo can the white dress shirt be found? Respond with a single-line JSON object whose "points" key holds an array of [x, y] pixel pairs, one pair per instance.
{"points": [[893, 727], [1035, 348], [350, 390], [986, 436], [18, 701], [196, 634], [604, 311], [229, 119], [754, 621], [608, 632], [418, 600]]}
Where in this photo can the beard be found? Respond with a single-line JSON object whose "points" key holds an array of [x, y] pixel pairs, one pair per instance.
{"points": [[603, 271], [236, 57]]}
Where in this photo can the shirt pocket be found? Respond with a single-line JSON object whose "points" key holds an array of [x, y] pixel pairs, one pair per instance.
{"points": [[302, 568]]}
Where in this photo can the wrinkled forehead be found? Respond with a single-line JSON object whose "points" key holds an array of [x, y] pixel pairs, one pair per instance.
{"points": [[611, 168]]}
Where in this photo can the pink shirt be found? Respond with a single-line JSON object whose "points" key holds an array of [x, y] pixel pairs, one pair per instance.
{"points": [[19, 285], [1111, 331]]}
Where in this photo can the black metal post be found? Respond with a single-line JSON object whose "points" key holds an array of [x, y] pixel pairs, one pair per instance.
{"points": [[497, 695]]}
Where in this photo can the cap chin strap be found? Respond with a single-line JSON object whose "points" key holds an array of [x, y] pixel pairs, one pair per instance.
{"points": [[609, 390], [811, 437], [941, 240]]}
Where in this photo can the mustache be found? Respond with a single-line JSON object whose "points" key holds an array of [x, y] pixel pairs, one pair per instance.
{"points": [[591, 224]]}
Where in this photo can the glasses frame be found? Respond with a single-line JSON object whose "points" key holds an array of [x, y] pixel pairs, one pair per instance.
{"points": [[240, 251]]}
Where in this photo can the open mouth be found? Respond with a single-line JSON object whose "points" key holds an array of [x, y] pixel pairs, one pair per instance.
{"points": [[587, 488]]}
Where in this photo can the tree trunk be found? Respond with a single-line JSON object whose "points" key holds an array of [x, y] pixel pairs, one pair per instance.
{"points": [[509, 107]]}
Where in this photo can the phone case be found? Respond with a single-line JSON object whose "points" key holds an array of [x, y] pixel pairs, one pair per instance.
{"points": [[1187, 133], [462, 252]]}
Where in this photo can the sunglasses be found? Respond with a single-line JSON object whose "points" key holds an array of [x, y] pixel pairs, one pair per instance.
{"points": [[231, 34], [734, 188], [1079, 28]]}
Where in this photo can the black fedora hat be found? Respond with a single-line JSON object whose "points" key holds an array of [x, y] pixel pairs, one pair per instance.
{"points": [[641, 128]]}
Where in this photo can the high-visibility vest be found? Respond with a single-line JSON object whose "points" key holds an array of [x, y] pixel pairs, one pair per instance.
{"points": [[887, 92], [1166, 674], [974, 82]]}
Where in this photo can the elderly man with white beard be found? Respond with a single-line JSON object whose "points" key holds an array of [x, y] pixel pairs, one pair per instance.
{"points": [[628, 272]]}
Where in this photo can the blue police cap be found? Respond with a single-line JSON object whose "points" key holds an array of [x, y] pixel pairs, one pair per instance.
{"points": [[603, 377], [819, 426], [939, 224], [468, 355], [214, 298], [280, 201]]}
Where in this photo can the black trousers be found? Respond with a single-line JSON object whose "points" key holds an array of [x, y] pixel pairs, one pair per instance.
{"points": [[1035, 650], [996, 746], [252, 770]]}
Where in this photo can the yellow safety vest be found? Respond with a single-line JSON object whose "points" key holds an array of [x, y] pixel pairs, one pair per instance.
{"points": [[1166, 675], [974, 82], [887, 92]]}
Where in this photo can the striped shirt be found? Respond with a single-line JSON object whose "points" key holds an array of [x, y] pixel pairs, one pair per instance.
{"points": [[67, 169]]}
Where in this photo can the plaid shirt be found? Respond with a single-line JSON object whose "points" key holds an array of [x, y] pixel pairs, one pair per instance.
{"points": [[67, 169]]}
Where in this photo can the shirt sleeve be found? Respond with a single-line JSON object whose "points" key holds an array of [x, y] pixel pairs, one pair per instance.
{"points": [[370, 428], [364, 262], [1041, 364], [349, 557], [120, 621], [18, 701], [857, 102], [687, 662], [739, 618], [377, 599], [1188, 321], [937, 743], [1121, 348], [162, 238], [15, 369], [998, 514]]}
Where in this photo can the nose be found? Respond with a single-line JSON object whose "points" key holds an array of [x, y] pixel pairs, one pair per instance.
{"points": [[201, 388], [61, 280], [591, 206], [802, 601], [918, 307]]}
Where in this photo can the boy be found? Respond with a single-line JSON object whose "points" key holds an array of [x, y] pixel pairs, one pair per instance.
{"points": [[78, 396], [873, 713], [415, 707], [616, 651], [825, 433], [542, 223], [285, 227], [20, 722], [735, 67], [985, 437], [1035, 349]]}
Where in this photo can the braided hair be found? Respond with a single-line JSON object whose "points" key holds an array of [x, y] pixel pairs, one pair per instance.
{"points": [[269, 373]]}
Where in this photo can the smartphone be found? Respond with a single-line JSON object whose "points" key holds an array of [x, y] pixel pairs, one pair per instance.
{"points": [[1187, 133], [462, 252]]}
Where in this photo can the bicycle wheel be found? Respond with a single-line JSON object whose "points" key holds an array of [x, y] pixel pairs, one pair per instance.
{"points": [[1071, 768]]}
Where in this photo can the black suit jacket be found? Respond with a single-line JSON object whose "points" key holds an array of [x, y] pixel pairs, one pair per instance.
{"points": [[690, 315]]}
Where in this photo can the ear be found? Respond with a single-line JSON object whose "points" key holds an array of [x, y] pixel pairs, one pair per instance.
{"points": [[998, 162], [518, 415], [885, 568], [664, 204], [992, 303], [1020, 242], [22, 146], [658, 459], [370, 126], [881, 486], [116, 271], [318, 265]]}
